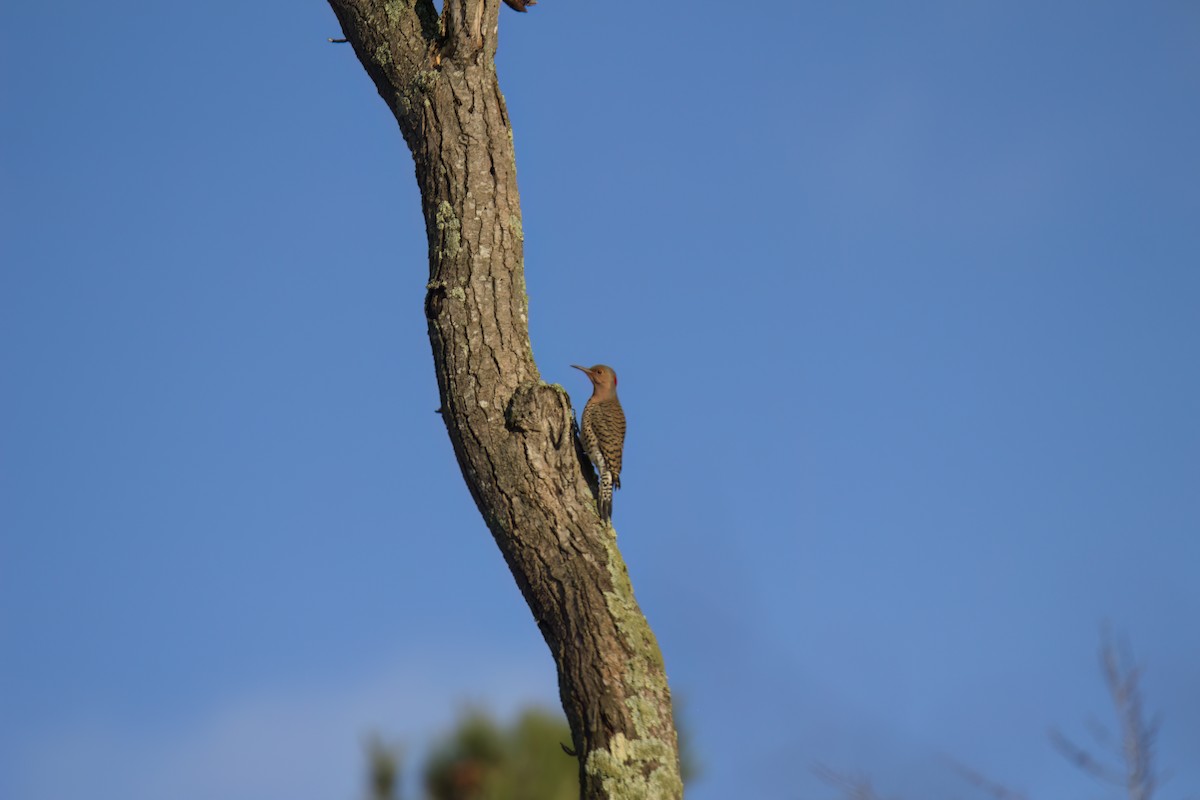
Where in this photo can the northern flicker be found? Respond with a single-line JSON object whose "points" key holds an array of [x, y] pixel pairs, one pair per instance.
{"points": [[603, 432]]}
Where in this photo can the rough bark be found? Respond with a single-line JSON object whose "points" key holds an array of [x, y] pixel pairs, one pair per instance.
{"points": [[514, 435]]}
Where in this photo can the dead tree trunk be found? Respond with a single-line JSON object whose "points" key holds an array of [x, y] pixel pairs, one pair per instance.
{"points": [[512, 433]]}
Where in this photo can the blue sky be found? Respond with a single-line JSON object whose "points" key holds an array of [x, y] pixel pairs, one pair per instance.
{"points": [[904, 302]]}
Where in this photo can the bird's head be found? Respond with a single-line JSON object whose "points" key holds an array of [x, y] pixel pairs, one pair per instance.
{"points": [[602, 377]]}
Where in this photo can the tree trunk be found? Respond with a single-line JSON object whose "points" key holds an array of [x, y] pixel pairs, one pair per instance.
{"points": [[513, 434]]}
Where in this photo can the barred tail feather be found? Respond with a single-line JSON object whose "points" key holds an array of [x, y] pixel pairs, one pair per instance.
{"points": [[606, 495]]}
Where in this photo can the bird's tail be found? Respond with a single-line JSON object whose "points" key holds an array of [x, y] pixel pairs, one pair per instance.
{"points": [[606, 495]]}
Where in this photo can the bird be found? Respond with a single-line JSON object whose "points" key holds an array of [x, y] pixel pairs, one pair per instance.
{"points": [[603, 432], [519, 5]]}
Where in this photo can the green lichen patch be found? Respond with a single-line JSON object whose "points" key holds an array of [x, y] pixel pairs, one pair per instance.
{"points": [[645, 767], [645, 713], [514, 224], [630, 620], [424, 80], [394, 10], [637, 769], [449, 227]]}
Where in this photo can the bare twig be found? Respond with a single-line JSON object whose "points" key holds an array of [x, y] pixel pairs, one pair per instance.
{"points": [[1084, 760], [853, 787], [986, 785], [1136, 772]]}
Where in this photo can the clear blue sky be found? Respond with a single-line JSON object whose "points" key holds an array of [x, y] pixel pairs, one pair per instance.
{"points": [[904, 299]]}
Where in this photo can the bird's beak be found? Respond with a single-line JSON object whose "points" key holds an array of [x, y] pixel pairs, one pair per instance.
{"points": [[582, 369]]}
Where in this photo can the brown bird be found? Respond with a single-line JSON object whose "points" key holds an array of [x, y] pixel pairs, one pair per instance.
{"points": [[519, 5], [603, 431]]}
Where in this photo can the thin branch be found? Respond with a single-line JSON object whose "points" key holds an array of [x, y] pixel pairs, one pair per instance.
{"points": [[1084, 760], [986, 785], [852, 786], [1137, 734]]}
